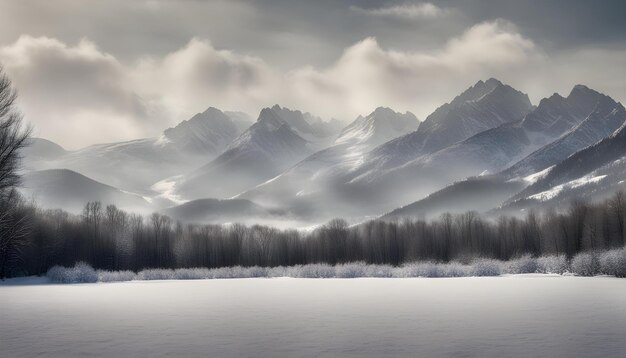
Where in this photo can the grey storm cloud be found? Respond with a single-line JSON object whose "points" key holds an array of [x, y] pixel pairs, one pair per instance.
{"points": [[114, 70]]}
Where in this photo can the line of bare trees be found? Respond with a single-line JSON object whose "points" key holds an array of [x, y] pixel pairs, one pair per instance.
{"points": [[109, 238]]}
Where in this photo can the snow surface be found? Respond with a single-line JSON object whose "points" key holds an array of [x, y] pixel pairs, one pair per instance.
{"points": [[531, 179], [573, 184], [516, 316]]}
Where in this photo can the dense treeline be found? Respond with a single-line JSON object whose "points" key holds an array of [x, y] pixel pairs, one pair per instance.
{"points": [[111, 239]]}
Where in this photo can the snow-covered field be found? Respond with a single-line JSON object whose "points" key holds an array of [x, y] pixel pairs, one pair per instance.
{"points": [[515, 316]]}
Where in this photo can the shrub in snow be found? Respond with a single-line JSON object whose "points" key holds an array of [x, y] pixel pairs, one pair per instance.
{"points": [[351, 270], [613, 262], [191, 274], [432, 269], [225, 272], [279, 271], [455, 269], [314, 271], [586, 264], [256, 271], [421, 269], [407, 270], [486, 267], [553, 264], [378, 271], [80, 273], [115, 276], [524, 264], [156, 274]]}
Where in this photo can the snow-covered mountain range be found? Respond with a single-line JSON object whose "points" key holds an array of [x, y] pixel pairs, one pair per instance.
{"points": [[137, 164], [309, 186], [277, 140], [602, 119], [489, 149]]}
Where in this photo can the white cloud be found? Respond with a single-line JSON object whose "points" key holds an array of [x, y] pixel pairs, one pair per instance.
{"points": [[363, 77], [367, 75], [198, 75], [74, 94], [405, 11], [79, 94]]}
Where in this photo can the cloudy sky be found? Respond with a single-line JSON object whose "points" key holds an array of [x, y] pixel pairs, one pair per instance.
{"points": [[101, 71]]}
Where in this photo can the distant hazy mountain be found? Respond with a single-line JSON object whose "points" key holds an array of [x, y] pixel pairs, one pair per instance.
{"points": [[316, 131], [217, 211], [208, 132], [136, 165], [275, 142], [308, 185], [68, 190], [377, 128], [39, 153], [480, 194]]}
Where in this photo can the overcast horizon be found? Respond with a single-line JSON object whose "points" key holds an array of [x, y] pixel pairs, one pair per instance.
{"points": [[124, 70]]}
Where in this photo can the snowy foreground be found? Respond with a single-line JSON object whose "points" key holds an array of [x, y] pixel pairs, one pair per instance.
{"points": [[509, 316]]}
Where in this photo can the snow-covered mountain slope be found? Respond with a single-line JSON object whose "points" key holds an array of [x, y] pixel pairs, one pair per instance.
{"points": [[483, 106], [584, 118], [307, 184], [316, 131], [208, 132], [136, 165], [597, 115], [359, 186], [606, 117], [242, 120], [375, 184], [267, 148], [68, 190], [590, 174], [377, 128]]}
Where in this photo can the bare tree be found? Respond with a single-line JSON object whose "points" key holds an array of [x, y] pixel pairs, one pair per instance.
{"points": [[578, 213], [13, 137], [161, 225], [617, 206], [14, 230]]}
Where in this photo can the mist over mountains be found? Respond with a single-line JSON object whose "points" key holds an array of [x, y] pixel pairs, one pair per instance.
{"points": [[489, 149]]}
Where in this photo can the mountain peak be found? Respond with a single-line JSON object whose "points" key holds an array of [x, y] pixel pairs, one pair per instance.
{"points": [[580, 87], [212, 110], [585, 100], [381, 125], [209, 131], [550, 102], [493, 82], [270, 118], [382, 111], [479, 91], [582, 90]]}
